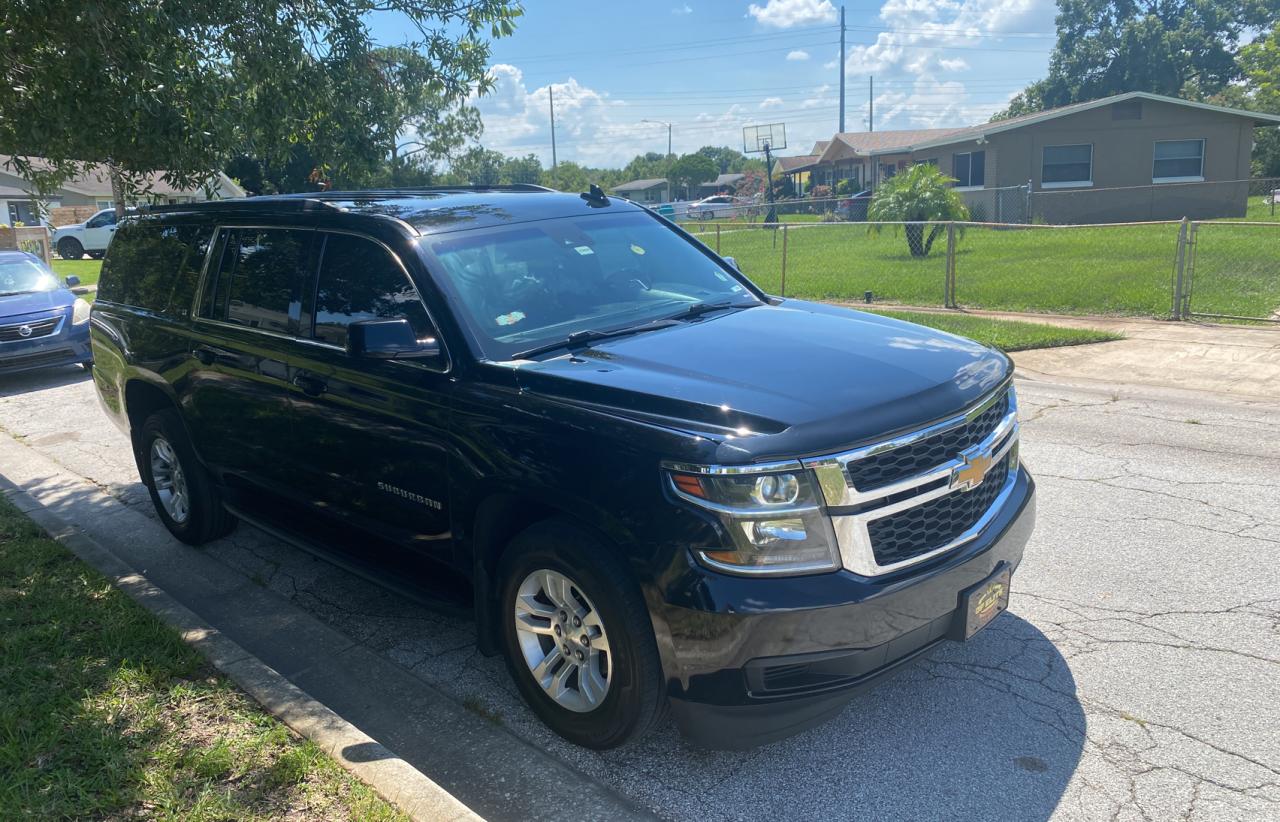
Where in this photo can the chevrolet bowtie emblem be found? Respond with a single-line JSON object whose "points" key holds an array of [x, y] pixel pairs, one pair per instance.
{"points": [[972, 473]]}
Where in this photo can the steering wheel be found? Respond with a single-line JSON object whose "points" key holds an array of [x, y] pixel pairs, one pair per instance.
{"points": [[626, 279]]}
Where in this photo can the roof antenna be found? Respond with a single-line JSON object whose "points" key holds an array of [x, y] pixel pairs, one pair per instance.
{"points": [[596, 197]]}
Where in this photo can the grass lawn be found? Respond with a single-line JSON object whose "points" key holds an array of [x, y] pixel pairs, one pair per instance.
{"points": [[1119, 270], [1261, 211], [86, 270], [1007, 335], [106, 713]]}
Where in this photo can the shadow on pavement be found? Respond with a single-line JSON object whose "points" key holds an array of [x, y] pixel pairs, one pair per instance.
{"points": [[28, 381]]}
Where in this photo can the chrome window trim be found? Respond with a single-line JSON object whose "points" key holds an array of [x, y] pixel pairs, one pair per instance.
{"points": [[60, 320]]}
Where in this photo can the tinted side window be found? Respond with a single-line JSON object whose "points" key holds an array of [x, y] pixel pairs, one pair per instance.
{"points": [[102, 218], [154, 266], [257, 281], [359, 280]]}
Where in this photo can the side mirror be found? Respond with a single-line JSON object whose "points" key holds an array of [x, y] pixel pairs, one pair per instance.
{"points": [[388, 340], [72, 281], [731, 261]]}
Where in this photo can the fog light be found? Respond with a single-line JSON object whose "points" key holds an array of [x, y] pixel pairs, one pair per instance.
{"points": [[775, 530]]}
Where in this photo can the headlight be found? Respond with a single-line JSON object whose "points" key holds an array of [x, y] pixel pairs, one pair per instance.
{"points": [[774, 519], [80, 312]]}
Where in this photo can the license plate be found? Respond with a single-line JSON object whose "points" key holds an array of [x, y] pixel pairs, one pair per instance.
{"points": [[985, 601]]}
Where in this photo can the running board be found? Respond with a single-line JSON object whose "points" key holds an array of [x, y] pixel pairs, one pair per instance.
{"points": [[440, 600]]}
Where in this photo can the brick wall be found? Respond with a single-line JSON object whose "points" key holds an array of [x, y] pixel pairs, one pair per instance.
{"points": [[67, 215]]}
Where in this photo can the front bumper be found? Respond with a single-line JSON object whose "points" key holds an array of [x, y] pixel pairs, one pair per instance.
{"points": [[751, 661], [70, 345]]}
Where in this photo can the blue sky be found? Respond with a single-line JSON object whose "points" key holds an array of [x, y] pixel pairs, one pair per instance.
{"points": [[712, 67]]}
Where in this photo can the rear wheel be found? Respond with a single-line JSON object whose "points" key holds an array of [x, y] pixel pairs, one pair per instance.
{"points": [[69, 248], [184, 494], [577, 637]]}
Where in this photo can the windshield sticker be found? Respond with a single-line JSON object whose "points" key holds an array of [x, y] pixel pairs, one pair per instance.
{"points": [[635, 249], [509, 319], [584, 250], [721, 276]]}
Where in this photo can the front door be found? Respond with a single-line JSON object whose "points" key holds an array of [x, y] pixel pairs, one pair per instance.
{"points": [[237, 396], [374, 430], [99, 229]]}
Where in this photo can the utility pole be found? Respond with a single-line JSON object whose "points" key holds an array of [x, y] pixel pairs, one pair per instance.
{"points": [[842, 69], [668, 125], [871, 105], [551, 98]]}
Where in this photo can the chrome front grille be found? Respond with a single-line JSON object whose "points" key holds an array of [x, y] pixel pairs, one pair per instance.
{"points": [[34, 329], [903, 501]]}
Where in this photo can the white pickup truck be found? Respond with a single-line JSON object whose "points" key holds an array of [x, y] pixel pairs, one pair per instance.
{"points": [[90, 237]]}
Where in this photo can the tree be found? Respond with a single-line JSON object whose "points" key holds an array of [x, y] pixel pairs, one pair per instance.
{"points": [[727, 160], [526, 169], [568, 176], [650, 166], [477, 166], [692, 170], [1171, 47], [917, 196], [1260, 64], [186, 87]]}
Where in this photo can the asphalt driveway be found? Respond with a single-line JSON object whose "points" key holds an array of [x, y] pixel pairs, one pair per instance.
{"points": [[1136, 676]]}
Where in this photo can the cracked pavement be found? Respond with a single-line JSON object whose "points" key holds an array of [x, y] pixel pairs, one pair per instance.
{"points": [[1135, 677]]}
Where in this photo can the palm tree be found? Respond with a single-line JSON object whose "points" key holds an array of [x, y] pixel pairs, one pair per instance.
{"points": [[917, 196]]}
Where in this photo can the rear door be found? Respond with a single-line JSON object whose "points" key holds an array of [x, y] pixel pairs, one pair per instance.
{"points": [[375, 430], [237, 403]]}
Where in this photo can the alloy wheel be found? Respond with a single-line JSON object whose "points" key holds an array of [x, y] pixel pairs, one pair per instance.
{"points": [[563, 640], [169, 480]]}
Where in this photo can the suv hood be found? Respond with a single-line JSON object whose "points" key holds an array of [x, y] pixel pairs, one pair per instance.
{"points": [[776, 382]]}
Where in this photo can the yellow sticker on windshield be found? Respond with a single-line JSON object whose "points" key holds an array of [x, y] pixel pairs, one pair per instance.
{"points": [[635, 249]]}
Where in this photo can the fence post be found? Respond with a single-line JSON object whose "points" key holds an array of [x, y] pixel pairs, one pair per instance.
{"points": [[782, 286], [1179, 267], [949, 289], [717, 238]]}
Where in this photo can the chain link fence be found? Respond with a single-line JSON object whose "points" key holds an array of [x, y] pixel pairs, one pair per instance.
{"points": [[1165, 269]]}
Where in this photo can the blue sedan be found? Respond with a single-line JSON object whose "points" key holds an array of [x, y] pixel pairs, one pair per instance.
{"points": [[42, 323]]}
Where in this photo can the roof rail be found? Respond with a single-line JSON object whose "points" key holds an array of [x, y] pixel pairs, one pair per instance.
{"points": [[409, 191], [289, 205]]}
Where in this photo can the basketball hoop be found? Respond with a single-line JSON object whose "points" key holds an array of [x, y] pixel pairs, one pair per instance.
{"points": [[766, 139]]}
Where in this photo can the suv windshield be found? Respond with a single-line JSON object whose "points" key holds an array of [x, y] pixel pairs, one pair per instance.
{"points": [[22, 276], [528, 285]]}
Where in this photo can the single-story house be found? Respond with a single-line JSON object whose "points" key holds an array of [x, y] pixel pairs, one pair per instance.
{"points": [[1133, 156], [645, 191], [91, 189], [724, 184]]}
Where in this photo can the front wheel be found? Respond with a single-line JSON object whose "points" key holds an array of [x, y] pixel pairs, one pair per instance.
{"points": [[69, 248], [577, 637]]}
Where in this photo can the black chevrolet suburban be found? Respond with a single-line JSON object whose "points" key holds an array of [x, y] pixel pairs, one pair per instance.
{"points": [[656, 487]]}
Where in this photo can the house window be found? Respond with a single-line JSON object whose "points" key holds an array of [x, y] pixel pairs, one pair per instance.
{"points": [[1178, 160], [970, 169], [1067, 166]]}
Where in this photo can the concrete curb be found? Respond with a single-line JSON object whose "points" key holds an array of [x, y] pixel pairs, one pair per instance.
{"points": [[390, 776]]}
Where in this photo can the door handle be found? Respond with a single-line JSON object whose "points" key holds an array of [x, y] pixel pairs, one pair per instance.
{"points": [[311, 386], [206, 356]]}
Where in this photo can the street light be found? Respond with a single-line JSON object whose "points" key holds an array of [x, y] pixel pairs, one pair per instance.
{"points": [[668, 125]]}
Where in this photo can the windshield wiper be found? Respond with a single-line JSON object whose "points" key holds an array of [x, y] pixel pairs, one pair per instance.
{"points": [[579, 339], [698, 309]]}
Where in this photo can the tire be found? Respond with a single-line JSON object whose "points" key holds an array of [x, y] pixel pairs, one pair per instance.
{"points": [[69, 248], [608, 608], [185, 495], [707, 216]]}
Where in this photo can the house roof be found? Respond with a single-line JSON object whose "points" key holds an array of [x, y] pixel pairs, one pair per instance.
{"points": [[820, 147], [641, 185], [725, 180], [985, 129], [95, 182], [790, 165], [867, 143]]}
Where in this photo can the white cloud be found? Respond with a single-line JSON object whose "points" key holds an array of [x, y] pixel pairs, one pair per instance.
{"points": [[953, 65], [798, 54], [785, 14], [771, 102], [682, 10]]}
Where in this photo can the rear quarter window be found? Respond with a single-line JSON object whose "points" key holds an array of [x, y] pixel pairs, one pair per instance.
{"points": [[154, 266]]}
